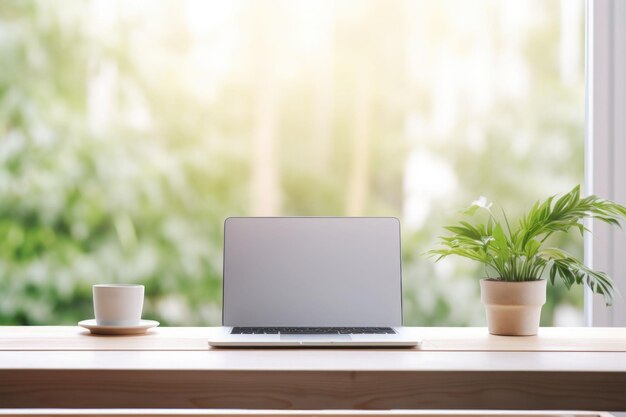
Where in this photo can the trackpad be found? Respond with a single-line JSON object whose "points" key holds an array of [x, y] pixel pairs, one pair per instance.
{"points": [[317, 337]]}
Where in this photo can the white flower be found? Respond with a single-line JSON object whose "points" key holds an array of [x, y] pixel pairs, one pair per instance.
{"points": [[482, 203]]}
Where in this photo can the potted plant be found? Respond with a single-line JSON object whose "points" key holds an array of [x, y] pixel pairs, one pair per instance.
{"points": [[517, 258]]}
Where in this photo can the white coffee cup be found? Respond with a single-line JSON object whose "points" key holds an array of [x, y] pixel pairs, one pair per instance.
{"points": [[118, 304]]}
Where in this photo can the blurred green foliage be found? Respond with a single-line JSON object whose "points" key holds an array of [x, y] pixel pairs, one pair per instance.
{"points": [[137, 190]]}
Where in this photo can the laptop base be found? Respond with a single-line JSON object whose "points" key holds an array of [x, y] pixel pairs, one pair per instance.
{"points": [[225, 338]]}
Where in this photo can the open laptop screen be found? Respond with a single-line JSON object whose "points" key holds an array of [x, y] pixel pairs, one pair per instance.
{"points": [[312, 271]]}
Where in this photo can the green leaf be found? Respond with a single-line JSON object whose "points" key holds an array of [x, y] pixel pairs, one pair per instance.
{"points": [[500, 239], [531, 248], [471, 210]]}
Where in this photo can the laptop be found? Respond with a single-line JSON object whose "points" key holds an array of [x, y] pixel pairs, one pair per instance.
{"points": [[312, 281]]}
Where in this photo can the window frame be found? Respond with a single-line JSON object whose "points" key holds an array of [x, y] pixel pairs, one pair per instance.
{"points": [[605, 147]]}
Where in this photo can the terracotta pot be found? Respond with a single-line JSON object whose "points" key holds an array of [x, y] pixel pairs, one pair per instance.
{"points": [[513, 308]]}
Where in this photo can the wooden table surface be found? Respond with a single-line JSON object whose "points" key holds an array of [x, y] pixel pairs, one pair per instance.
{"points": [[457, 368]]}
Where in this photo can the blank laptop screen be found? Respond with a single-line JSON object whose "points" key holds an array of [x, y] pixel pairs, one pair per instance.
{"points": [[312, 271]]}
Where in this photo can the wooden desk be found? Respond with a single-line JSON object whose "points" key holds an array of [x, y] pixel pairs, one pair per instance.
{"points": [[457, 368]]}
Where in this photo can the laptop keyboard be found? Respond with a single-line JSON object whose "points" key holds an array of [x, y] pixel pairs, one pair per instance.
{"points": [[313, 330]]}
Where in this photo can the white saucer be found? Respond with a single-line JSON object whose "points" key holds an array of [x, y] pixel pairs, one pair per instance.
{"points": [[140, 328]]}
